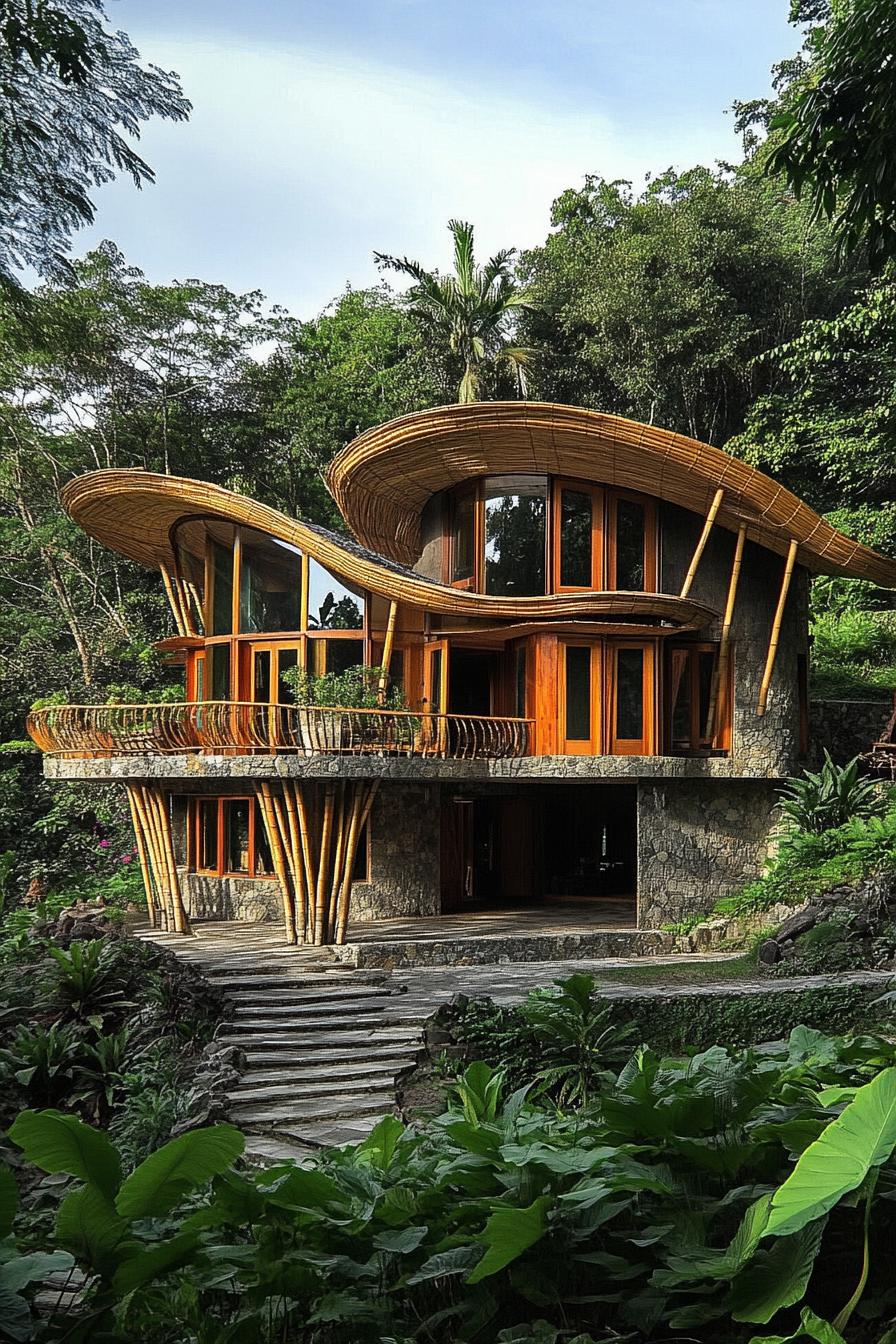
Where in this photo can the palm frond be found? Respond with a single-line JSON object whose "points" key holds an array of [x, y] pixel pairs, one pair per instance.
{"points": [[464, 264]]}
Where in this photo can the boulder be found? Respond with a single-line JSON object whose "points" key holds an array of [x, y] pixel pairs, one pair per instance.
{"points": [[800, 922], [769, 952]]}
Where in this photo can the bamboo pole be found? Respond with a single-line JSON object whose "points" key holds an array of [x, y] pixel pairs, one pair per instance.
{"points": [[388, 641], [300, 867], [323, 862], [149, 825], [701, 544], [718, 702], [142, 856], [776, 629], [357, 826], [181, 923], [307, 856], [344, 799], [279, 858], [173, 598]]}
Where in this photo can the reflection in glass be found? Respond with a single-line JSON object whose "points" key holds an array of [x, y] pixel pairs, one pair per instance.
{"points": [[261, 675], [236, 835], [515, 510], [578, 693], [263, 862], [270, 585], [630, 694], [332, 605], [222, 588], [219, 654], [680, 690], [520, 682], [575, 539], [287, 661], [335, 655], [435, 694], [463, 534], [630, 539], [208, 834]]}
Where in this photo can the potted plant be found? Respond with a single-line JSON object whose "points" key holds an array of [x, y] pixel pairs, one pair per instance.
{"points": [[332, 697]]}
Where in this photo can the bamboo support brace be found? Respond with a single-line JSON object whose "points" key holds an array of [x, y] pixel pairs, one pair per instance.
{"points": [[718, 701], [388, 641], [701, 544], [278, 857], [776, 629], [143, 857]]}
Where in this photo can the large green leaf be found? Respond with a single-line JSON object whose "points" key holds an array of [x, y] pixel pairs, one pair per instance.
{"points": [[378, 1148], [811, 1327], [155, 1261], [183, 1165], [704, 1263], [862, 1137], [775, 1278], [507, 1234], [88, 1225], [56, 1142], [9, 1200], [25, 1269]]}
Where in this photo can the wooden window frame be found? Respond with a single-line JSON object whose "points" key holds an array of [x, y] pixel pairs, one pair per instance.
{"points": [[593, 745], [645, 745], [598, 506], [720, 708], [476, 493], [194, 837], [650, 538]]}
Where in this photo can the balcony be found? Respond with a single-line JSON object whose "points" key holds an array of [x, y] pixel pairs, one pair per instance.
{"points": [[222, 726]]}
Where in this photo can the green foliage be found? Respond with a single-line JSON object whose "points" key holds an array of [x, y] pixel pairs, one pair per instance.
{"points": [[575, 1038], [355, 688], [86, 987], [470, 312], [823, 800], [653, 1213]]}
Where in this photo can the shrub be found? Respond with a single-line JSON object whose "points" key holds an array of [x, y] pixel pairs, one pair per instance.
{"points": [[822, 800], [355, 688]]}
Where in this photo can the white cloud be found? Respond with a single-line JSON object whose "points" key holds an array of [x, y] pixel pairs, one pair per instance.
{"points": [[297, 164]]}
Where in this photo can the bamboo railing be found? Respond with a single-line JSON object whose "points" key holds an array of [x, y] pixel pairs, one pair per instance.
{"points": [[233, 726]]}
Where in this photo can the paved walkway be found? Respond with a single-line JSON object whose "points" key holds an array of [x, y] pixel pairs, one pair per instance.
{"points": [[325, 1042]]}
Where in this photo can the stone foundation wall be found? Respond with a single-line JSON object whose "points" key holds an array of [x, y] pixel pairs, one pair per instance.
{"points": [[845, 727], [254, 900], [698, 842], [405, 839]]}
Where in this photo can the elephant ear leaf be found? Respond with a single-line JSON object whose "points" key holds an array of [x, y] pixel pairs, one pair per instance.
{"points": [[507, 1234], [9, 1200], [810, 1327], [183, 1165], [775, 1278], [56, 1142], [862, 1137]]}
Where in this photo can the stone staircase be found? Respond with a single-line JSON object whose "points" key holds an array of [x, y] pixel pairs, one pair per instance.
{"points": [[324, 1044]]}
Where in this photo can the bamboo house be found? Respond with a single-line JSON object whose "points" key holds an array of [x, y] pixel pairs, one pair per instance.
{"points": [[590, 666]]}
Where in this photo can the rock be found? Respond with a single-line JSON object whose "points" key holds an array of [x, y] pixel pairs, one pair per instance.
{"points": [[437, 1036], [769, 952], [800, 922]]}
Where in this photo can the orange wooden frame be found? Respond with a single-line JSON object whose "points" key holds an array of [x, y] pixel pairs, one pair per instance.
{"points": [[650, 537], [194, 837], [645, 745], [719, 713], [598, 507], [593, 744]]}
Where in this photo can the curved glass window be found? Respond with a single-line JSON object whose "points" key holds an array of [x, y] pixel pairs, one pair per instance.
{"points": [[190, 549], [515, 535], [270, 585], [331, 604]]}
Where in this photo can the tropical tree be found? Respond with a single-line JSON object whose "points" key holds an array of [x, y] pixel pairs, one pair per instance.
{"points": [[472, 310]]}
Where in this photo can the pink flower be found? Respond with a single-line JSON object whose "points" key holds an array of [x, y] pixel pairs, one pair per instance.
{"points": [[125, 858], [104, 844]]}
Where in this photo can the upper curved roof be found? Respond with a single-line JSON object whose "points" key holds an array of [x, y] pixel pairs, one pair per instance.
{"points": [[382, 480], [134, 512]]}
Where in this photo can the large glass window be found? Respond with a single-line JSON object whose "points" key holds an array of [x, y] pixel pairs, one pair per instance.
{"points": [[227, 835], [630, 695], [335, 655], [697, 708], [331, 604], [575, 538], [463, 538], [236, 835], [190, 549], [221, 559], [630, 542], [578, 693], [219, 656], [270, 585], [515, 522]]}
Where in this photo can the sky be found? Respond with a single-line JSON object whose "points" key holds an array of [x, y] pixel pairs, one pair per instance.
{"points": [[323, 130]]}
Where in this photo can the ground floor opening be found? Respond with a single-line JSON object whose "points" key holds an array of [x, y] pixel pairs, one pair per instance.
{"points": [[540, 844]]}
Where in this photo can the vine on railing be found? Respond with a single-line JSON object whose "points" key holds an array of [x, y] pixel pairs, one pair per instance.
{"points": [[222, 725]]}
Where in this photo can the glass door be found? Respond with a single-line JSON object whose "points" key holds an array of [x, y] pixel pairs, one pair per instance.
{"points": [[631, 710], [579, 698], [435, 693]]}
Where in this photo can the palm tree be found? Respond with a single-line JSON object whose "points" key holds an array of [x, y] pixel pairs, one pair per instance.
{"points": [[471, 309]]}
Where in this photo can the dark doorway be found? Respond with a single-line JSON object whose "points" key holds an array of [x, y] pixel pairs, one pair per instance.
{"points": [[545, 843], [470, 681]]}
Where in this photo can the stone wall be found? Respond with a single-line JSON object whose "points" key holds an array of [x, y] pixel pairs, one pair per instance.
{"points": [[254, 900], [405, 842], [697, 842], [845, 727], [760, 746]]}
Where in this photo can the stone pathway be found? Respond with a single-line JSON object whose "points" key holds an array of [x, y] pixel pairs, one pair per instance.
{"points": [[326, 1042]]}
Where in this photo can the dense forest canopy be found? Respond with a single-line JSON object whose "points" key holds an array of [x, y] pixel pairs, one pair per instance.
{"points": [[727, 301]]}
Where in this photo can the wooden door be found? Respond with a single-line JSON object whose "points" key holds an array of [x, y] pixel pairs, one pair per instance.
{"points": [[457, 866], [435, 693], [580, 725]]}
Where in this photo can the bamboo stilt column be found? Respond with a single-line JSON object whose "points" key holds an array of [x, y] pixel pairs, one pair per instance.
{"points": [[344, 800], [701, 544], [321, 886], [388, 641], [148, 818], [278, 858], [142, 856], [307, 858], [718, 701], [181, 923], [359, 818], [776, 629], [299, 869]]}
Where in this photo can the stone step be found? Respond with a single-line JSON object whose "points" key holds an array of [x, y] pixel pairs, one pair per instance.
{"points": [[324, 1058], [332, 1106], [294, 1021], [260, 979], [328, 1134], [286, 1036], [289, 1092], [307, 1075], [337, 999]]}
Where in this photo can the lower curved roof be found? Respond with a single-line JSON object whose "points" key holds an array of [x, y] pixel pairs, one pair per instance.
{"points": [[134, 512], [383, 479]]}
